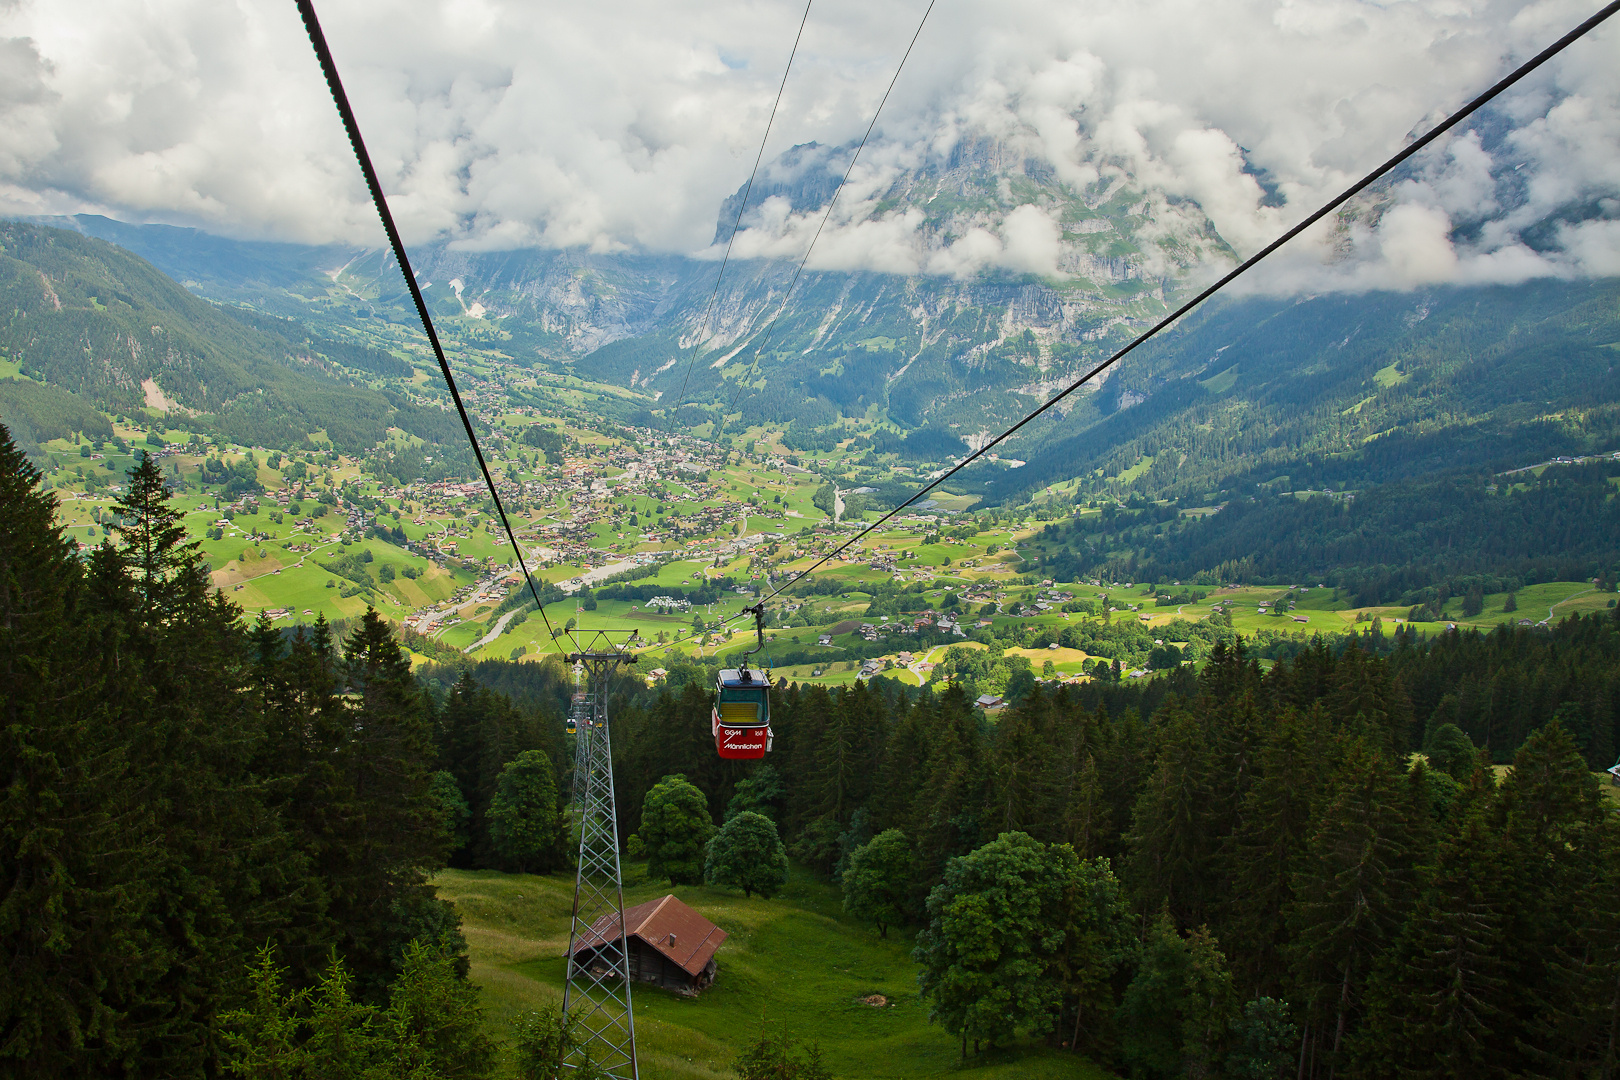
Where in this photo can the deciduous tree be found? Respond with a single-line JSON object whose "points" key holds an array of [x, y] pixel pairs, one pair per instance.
{"points": [[747, 854], [993, 925], [675, 831], [525, 824], [877, 883]]}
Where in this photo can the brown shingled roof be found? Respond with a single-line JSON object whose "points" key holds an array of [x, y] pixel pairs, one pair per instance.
{"points": [[681, 934]]}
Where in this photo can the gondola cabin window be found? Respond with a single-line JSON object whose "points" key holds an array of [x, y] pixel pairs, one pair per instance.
{"points": [[742, 713]]}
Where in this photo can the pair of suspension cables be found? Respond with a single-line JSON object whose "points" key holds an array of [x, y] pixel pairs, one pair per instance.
{"points": [[340, 98], [1242, 268], [351, 125]]}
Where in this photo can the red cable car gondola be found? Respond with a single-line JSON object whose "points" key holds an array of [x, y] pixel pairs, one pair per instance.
{"points": [[741, 720], [742, 714]]}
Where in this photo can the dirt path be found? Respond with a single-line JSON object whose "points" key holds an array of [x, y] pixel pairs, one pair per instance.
{"points": [[1565, 600]]}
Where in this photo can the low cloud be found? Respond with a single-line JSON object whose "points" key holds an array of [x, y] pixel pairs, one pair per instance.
{"points": [[859, 236], [623, 126]]}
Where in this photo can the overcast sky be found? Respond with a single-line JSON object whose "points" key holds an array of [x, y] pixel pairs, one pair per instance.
{"points": [[621, 125]]}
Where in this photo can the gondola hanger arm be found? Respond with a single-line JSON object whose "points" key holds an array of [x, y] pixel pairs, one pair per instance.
{"points": [[758, 611]]}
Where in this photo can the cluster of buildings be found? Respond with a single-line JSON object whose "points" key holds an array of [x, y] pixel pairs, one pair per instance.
{"points": [[927, 620]]}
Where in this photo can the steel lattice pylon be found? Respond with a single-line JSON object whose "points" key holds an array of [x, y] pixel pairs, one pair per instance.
{"points": [[598, 988]]}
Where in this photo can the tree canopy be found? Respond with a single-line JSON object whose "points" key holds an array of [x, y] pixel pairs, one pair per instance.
{"points": [[747, 854], [526, 823], [878, 883], [675, 831], [184, 788]]}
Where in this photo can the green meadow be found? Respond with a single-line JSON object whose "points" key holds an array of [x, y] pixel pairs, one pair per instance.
{"points": [[795, 961]]}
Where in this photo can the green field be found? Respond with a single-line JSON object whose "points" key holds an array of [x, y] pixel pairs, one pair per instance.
{"points": [[796, 959], [989, 561]]}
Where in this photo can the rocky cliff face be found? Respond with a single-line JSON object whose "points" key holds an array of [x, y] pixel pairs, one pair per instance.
{"points": [[578, 300], [1006, 280]]}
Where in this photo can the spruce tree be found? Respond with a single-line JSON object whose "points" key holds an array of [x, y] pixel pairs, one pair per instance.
{"points": [[1364, 696], [164, 567], [301, 758], [1024, 762], [1124, 764], [399, 836], [904, 757], [1262, 855], [1560, 938], [951, 797], [1437, 1001], [74, 942], [1171, 860], [193, 733], [1086, 824], [1350, 894]]}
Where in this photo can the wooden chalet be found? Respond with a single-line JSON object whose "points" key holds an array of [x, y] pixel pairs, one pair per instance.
{"points": [[670, 945]]}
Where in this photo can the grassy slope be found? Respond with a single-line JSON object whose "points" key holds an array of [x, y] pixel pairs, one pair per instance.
{"points": [[797, 959]]}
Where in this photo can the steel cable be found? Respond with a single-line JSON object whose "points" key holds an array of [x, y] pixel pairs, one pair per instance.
{"points": [[794, 281], [329, 67], [1446, 125], [748, 189]]}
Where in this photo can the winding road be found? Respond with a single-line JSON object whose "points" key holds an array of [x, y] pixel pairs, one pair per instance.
{"points": [[494, 631]]}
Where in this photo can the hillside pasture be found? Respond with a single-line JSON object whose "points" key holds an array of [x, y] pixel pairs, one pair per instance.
{"points": [[797, 961]]}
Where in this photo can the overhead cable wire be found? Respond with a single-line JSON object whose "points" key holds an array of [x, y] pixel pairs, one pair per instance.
{"points": [[766, 336], [1345, 196], [703, 329], [329, 67]]}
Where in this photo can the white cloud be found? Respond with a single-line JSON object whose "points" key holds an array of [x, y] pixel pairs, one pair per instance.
{"points": [[623, 125], [1031, 241], [1594, 246], [1415, 242]]}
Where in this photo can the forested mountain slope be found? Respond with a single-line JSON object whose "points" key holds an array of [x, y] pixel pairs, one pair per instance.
{"points": [[1383, 546], [1249, 836], [92, 319], [1338, 390], [185, 790]]}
